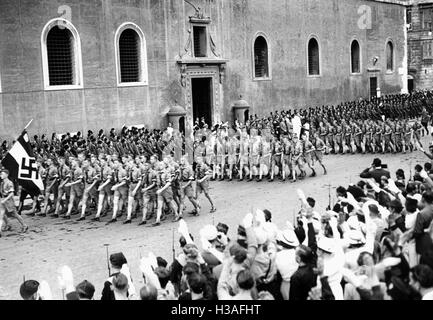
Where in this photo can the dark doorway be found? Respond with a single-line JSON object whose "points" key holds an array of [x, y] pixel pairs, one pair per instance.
{"points": [[373, 87], [246, 115], [182, 125], [410, 86], [202, 99]]}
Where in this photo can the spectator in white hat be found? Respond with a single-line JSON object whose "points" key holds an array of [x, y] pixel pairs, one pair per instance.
{"points": [[285, 259]]}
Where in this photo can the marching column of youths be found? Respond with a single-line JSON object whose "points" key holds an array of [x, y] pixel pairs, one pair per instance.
{"points": [[122, 172]]}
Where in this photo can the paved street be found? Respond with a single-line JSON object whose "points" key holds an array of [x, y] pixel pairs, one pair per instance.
{"points": [[52, 243]]}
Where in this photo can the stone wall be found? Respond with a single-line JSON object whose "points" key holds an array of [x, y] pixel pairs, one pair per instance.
{"points": [[420, 68], [287, 24]]}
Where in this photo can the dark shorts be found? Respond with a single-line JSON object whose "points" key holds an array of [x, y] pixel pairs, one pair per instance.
{"points": [[107, 190], [318, 155], [307, 156], [93, 193], [186, 192], [276, 160], [77, 190], [122, 192], [64, 190], [54, 189], [203, 187], [149, 196], [8, 207], [131, 189], [166, 195]]}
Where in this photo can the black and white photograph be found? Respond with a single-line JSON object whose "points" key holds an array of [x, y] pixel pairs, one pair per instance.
{"points": [[216, 150]]}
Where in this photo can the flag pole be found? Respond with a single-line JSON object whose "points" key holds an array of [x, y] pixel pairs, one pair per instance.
{"points": [[25, 128], [28, 124]]}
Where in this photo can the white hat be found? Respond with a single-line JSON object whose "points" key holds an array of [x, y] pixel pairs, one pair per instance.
{"points": [[353, 223], [355, 237], [326, 244], [261, 235], [260, 217], [271, 230], [209, 232], [288, 237]]}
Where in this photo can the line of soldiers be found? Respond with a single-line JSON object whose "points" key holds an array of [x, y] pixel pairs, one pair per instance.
{"points": [[109, 183], [249, 156]]}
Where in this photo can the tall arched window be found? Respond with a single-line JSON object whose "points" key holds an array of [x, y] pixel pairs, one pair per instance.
{"points": [[131, 56], [313, 57], [355, 57], [61, 55], [389, 56], [261, 58]]}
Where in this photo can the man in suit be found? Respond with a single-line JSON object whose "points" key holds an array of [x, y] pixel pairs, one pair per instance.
{"points": [[376, 171]]}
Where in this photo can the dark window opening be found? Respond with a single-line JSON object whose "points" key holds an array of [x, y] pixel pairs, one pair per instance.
{"points": [[261, 65], [313, 57], [426, 18], [200, 43], [355, 53], [60, 52], [408, 16], [427, 50], [129, 56], [389, 56]]}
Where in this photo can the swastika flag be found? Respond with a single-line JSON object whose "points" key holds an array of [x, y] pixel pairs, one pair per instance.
{"points": [[21, 163]]}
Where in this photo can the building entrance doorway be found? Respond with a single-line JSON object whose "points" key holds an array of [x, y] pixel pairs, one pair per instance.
{"points": [[410, 85], [373, 87], [202, 99]]}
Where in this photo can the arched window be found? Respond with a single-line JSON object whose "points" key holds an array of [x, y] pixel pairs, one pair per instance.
{"points": [[389, 56], [355, 57], [261, 58], [131, 57], [61, 55], [313, 57]]}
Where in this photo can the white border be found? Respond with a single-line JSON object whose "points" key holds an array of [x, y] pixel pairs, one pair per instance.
{"points": [[360, 57], [268, 43], [142, 55], [313, 36], [78, 72]]}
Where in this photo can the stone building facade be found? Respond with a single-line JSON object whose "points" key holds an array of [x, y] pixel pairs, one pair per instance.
{"points": [[420, 44], [130, 61]]}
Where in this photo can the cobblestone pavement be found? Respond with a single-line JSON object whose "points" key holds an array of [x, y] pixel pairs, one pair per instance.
{"points": [[51, 243]]}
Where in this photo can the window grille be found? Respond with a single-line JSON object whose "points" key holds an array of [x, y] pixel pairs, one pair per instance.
{"points": [[129, 54], [389, 56], [313, 58], [261, 64], [199, 34], [60, 51], [355, 52]]}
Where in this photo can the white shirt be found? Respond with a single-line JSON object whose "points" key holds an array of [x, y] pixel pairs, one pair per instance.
{"points": [[428, 296], [297, 125], [285, 261], [410, 219]]}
